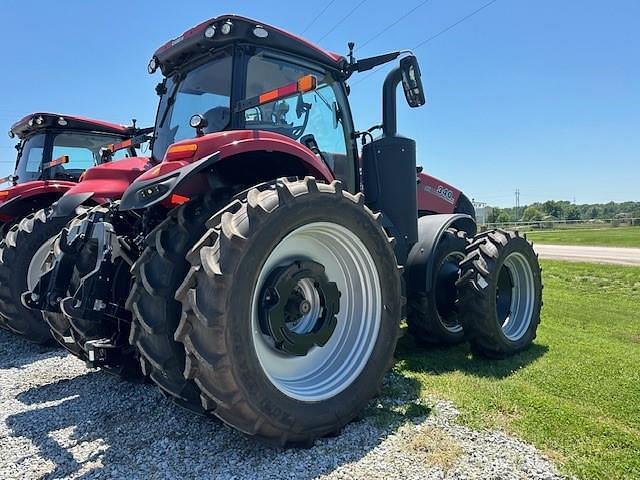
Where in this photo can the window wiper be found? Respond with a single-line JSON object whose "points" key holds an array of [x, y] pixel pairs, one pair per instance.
{"points": [[170, 101]]}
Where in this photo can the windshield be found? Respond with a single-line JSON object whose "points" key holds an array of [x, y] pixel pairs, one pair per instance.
{"points": [[83, 150], [30, 163], [205, 90]]}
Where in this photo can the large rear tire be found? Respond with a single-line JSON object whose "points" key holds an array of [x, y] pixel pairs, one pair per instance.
{"points": [[500, 293], [156, 313], [22, 252], [291, 311], [432, 316]]}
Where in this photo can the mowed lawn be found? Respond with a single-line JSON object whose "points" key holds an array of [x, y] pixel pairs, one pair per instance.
{"points": [[576, 393], [602, 237]]}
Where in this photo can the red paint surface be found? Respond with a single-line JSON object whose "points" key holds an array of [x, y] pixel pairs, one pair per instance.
{"points": [[235, 142], [429, 198], [110, 180], [199, 29], [36, 187]]}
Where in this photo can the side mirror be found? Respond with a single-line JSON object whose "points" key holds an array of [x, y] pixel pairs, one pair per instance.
{"points": [[412, 81]]}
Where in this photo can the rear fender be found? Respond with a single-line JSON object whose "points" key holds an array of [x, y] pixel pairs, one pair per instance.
{"points": [[225, 149], [24, 198], [419, 268]]}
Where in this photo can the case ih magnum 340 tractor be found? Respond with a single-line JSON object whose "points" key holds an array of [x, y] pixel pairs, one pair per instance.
{"points": [[54, 150], [261, 271]]}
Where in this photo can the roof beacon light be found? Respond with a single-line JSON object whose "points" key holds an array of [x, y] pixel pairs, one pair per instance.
{"points": [[210, 31], [226, 27], [62, 122], [260, 32]]}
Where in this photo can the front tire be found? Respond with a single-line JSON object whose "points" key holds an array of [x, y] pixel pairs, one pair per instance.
{"points": [[500, 293], [22, 253], [291, 311]]}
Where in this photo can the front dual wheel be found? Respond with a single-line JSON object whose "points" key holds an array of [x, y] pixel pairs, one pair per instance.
{"points": [[292, 310]]}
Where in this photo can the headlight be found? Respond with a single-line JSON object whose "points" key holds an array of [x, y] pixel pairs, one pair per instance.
{"points": [[210, 31], [226, 27]]}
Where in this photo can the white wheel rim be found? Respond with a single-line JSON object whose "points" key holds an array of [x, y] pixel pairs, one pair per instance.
{"points": [[328, 370], [36, 266], [522, 297]]}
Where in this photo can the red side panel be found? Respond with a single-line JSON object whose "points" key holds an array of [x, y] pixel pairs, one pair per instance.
{"points": [[235, 142], [435, 195], [36, 187], [110, 180]]}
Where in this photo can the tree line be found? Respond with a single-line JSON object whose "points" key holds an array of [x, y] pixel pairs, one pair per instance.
{"points": [[563, 210]]}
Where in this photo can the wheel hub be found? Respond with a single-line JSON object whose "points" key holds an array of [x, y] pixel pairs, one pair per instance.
{"points": [[299, 307]]}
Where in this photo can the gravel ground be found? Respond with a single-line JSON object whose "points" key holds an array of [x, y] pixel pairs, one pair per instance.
{"points": [[59, 419]]}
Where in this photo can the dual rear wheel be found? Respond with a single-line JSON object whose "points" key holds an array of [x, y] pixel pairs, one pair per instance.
{"points": [[487, 290]]}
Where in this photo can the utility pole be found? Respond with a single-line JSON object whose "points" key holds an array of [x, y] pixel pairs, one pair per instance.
{"points": [[517, 203]]}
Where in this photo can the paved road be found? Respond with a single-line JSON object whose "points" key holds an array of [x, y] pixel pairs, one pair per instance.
{"points": [[616, 255]]}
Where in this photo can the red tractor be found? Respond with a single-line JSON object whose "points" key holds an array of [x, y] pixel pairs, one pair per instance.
{"points": [[261, 270], [54, 151]]}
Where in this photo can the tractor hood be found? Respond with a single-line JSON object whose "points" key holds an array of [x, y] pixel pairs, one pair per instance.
{"points": [[110, 180]]}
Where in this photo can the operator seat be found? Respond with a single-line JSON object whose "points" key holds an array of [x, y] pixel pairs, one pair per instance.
{"points": [[217, 119]]}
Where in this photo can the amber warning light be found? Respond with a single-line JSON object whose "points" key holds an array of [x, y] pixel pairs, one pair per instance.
{"points": [[303, 85]]}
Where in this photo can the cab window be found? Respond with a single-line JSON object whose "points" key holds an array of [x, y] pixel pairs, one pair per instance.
{"points": [[84, 151], [312, 118]]}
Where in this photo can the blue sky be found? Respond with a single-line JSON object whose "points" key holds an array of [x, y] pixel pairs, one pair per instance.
{"points": [[540, 95]]}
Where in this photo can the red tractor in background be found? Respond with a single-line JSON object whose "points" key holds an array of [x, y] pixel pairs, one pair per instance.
{"points": [[53, 153], [260, 270], [54, 150]]}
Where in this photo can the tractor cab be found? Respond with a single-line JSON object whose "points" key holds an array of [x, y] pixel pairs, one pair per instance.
{"points": [[53, 152], [232, 74], [62, 147]]}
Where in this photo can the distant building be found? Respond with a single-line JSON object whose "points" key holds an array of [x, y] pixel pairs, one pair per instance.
{"points": [[482, 212]]}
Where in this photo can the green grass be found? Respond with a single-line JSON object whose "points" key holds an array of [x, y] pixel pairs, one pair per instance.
{"points": [[605, 236], [575, 393]]}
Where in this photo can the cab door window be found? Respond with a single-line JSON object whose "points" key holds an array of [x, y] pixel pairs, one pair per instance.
{"points": [[312, 118]]}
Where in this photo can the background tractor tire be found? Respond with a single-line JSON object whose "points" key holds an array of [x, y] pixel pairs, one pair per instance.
{"points": [[242, 371], [158, 273], [58, 324], [432, 316], [24, 244], [500, 293]]}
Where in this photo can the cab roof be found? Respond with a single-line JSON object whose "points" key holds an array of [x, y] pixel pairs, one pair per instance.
{"points": [[194, 43], [42, 120]]}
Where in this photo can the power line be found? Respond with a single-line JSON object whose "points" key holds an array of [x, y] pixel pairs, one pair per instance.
{"points": [[393, 24], [433, 37], [454, 24], [315, 19], [341, 21]]}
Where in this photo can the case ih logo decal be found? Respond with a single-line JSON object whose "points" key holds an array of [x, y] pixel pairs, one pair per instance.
{"points": [[442, 192]]}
